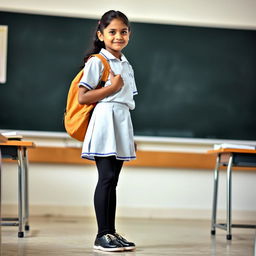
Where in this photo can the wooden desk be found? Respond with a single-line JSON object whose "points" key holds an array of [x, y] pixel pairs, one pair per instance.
{"points": [[229, 157], [2, 139], [17, 150]]}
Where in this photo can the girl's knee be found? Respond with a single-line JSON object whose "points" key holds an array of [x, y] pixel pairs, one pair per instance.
{"points": [[108, 179]]}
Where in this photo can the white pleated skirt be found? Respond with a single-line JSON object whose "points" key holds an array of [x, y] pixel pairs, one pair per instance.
{"points": [[110, 133]]}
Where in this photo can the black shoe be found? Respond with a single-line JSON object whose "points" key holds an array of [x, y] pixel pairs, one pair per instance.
{"points": [[126, 245], [108, 243]]}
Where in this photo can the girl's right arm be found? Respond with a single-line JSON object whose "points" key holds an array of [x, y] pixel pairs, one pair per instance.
{"points": [[86, 96]]}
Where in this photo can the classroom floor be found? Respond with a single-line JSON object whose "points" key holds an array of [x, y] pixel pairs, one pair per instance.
{"points": [[75, 236]]}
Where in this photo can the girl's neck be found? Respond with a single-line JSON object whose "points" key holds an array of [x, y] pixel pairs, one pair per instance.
{"points": [[118, 55]]}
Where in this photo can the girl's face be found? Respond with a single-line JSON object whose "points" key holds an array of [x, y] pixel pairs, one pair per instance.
{"points": [[115, 36]]}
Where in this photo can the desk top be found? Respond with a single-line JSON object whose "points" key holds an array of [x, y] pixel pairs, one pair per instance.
{"points": [[231, 150], [2, 138], [18, 143]]}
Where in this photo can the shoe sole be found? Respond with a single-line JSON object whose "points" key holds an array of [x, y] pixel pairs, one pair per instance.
{"points": [[130, 248], [119, 249]]}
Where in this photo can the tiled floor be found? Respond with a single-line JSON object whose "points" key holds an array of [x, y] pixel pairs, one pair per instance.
{"points": [[75, 236]]}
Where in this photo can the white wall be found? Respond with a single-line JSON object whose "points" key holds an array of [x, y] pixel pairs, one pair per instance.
{"points": [[142, 192], [145, 192], [223, 13]]}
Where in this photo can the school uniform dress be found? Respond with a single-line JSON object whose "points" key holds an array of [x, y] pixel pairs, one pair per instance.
{"points": [[110, 131]]}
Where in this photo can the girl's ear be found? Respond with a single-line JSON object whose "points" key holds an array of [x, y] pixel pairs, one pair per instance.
{"points": [[100, 36]]}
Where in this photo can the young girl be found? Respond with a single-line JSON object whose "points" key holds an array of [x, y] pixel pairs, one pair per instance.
{"points": [[109, 138]]}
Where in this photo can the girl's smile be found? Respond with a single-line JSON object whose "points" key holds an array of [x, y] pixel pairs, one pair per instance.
{"points": [[115, 37]]}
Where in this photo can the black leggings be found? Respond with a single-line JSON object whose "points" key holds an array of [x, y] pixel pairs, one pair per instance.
{"points": [[105, 193]]}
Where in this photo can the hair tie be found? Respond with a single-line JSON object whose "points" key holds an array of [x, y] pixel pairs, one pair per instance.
{"points": [[99, 22]]}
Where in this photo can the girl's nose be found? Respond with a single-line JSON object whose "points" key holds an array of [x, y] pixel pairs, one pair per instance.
{"points": [[118, 35]]}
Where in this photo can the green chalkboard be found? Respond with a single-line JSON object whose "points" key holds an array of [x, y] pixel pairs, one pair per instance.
{"points": [[193, 82]]}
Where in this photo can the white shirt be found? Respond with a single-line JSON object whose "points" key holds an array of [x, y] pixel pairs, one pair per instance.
{"points": [[93, 71]]}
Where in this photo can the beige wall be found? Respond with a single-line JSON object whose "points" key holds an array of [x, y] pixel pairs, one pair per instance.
{"points": [[223, 13], [147, 192]]}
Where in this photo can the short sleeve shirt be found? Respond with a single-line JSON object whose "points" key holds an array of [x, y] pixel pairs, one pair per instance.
{"points": [[93, 71]]}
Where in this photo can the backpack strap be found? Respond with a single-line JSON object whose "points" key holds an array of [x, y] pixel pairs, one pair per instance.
{"points": [[106, 69]]}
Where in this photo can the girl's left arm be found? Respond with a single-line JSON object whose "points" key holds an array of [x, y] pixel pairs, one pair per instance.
{"points": [[86, 96]]}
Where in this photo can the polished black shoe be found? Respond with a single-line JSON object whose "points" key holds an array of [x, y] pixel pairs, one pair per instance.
{"points": [[126, 245], [108, 243]]}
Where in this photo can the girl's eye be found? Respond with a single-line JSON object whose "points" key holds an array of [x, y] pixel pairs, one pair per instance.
{"points": [[124, 32], [112, 32]]}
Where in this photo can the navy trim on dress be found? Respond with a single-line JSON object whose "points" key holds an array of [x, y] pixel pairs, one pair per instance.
{"points": [[87, 155], [86, 85], [104, 56]]}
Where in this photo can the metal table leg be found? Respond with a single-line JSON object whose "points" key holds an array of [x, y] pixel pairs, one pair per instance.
{"points": [[21, 192], [215, 195], [0, 200], [229, 197], [26, 189]]}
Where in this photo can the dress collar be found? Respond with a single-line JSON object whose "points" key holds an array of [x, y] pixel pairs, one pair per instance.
{"points": [[110, 56]]}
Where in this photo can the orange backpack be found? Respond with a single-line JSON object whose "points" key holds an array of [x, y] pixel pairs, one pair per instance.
{"points": [[77, 116]]}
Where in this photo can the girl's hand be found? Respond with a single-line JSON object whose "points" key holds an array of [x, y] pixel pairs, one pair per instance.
{"points": [[86, 96], [116, 81]]}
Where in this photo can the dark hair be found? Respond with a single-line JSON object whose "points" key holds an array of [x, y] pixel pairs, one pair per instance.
{"points": [[102, 24]]}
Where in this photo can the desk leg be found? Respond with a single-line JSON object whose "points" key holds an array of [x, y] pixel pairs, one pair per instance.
{"points": [[26, 185], [215, 195], [229, 197], [20, 191], [0, 200], [255, 245]]}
